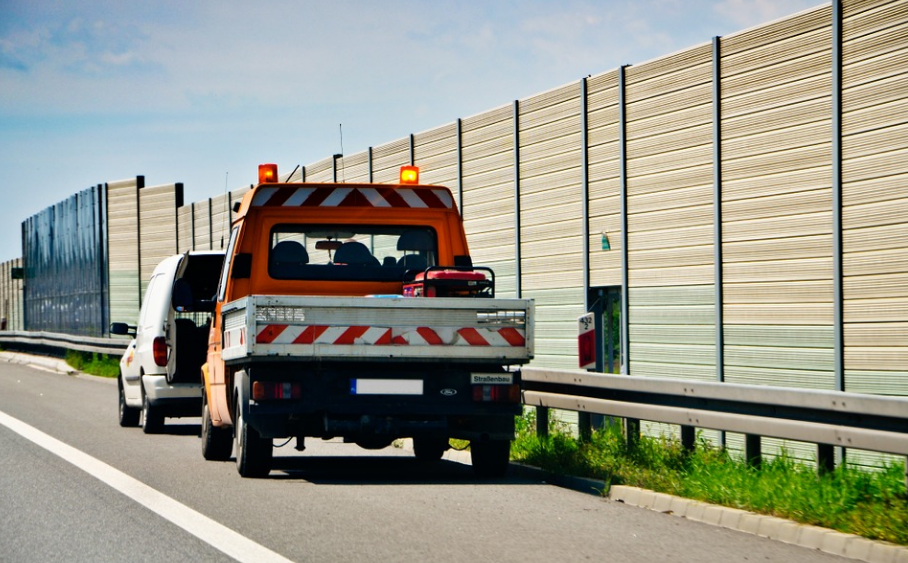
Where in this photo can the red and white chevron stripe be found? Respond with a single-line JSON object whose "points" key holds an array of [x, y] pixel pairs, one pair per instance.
{"points": [[353, 196], [385, 336]]}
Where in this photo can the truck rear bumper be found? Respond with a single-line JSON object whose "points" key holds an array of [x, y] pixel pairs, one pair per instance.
{"points": [[354, 401]]}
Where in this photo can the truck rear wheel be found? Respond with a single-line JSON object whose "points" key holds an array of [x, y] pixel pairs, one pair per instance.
{"points": [[490, 458], [217, 443], [253, 453]]}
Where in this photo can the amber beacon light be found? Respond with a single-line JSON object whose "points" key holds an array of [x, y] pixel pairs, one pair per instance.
{"points": [[267, 173], [409, 174]]}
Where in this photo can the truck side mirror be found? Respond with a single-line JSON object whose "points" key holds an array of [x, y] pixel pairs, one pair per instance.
{"points": [[242, 266]]}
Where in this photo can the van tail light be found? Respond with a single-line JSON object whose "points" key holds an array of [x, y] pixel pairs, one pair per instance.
{"points": [[159, 351], [264, 390], [496, 393]]}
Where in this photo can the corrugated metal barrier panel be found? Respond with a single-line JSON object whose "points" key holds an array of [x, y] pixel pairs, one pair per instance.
{"points": [[436, 155], [220, 221], [875, 200], [604, 179], [670, 216], [201, 220], [321, 171], [387, 160], [184, 228], [777, 203], [157, 226], [123, 250], [353, 168], [551, 220], [488, 186]]}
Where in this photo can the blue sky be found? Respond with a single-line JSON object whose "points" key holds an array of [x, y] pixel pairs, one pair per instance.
{"points": [[201, 92]]}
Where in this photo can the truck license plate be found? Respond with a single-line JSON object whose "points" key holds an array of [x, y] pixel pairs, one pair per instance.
{"points": [[386, 387]]}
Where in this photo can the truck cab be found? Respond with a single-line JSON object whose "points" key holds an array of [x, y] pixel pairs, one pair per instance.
{"points": [[323, 327]]}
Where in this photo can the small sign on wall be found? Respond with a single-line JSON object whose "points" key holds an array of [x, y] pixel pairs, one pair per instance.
{"points": [[586, 341]]}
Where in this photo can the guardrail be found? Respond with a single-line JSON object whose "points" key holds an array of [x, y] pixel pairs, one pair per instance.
{"points": [[63, 342], [826, 418]]}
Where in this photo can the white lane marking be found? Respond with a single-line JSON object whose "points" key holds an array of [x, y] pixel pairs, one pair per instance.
{"points": [[213, 533]]}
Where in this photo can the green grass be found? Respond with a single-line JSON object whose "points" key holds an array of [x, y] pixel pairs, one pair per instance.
{"points": [[873, 504], [94, 364]]}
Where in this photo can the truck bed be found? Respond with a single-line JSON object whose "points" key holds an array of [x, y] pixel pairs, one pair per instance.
{"points": [[379, 328]]}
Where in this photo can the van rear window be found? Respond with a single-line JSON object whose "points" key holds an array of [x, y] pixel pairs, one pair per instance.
{"points": [[350, 252]]}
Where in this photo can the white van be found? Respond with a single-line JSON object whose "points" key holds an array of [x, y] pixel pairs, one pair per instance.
{"points": [[160, 372]]}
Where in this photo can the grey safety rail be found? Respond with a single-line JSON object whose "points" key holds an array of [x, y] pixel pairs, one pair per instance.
{"points": [[62, 342], [827, 418]]}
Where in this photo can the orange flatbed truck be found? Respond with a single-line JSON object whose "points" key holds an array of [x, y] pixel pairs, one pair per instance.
{"points": [[354, 311]]}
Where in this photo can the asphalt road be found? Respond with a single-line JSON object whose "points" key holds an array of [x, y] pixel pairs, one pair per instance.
{"points": [[125, 496]]}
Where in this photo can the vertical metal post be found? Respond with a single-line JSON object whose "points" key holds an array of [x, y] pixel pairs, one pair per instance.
{"points": [[688, 438], [140, 183], [717, 210], [838, 296], [753, 450], [302, 174], [177, 204], [625, 275], [517, 272], [370, 165], [542, 421], [585, 192], [192, 225], [412, 149], [210, 226], [718, 258], [460, 166], [825, 458]]}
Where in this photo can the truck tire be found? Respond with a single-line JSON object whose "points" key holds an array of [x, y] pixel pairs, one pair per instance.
{"points": [[217, 443], [152, 418], [253, 453], [491, 458], [429, 448], [129, 416]]}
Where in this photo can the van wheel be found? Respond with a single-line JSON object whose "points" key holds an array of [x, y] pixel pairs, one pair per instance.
{"points": [[152, 418], [253, 453], [217, 443], [491, 458], [128, 416], [429, 448]]}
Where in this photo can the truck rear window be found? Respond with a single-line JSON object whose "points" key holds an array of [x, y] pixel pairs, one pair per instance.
{"points": [[350, 252]]}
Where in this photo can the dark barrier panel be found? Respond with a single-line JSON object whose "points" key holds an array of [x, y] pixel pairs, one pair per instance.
{"points": [[66, 266]]}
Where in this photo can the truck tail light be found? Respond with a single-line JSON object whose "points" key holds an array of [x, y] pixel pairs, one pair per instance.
{"points": [[264, 390], [159, 351], [496, 393]]}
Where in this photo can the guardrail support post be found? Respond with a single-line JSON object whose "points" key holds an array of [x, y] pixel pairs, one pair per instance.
{"points": [[825, 458], [585, 426], [688, 438], [753, 450], [542, 421], [632, 432]]}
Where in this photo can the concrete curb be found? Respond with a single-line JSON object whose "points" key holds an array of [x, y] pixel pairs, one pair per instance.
{"points": [[811, 537], [52, 365], [46, 363]]}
